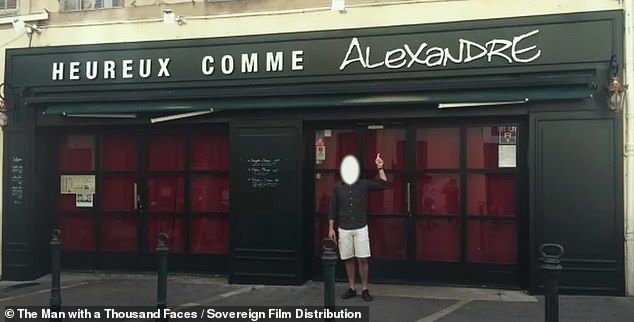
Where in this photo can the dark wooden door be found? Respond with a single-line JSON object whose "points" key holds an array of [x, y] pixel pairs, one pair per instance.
{"points": [[266, 208]]}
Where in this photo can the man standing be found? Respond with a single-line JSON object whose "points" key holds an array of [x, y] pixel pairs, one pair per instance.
{"points": [[348, 205]]}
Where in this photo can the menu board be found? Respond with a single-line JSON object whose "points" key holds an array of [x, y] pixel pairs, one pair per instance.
{"points": [[17, 180], [263, 172]]}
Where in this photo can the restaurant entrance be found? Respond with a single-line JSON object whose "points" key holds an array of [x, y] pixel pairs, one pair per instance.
{"points": [[454, 211]]}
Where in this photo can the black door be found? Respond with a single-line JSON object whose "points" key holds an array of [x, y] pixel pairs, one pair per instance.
{"points": [[265, 209]]}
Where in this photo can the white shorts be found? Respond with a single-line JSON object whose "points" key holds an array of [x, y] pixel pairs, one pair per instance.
{"points": [[354, 243]]}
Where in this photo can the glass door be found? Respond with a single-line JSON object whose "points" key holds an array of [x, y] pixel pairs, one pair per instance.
{"points": [[451, 210], [120, 195]]}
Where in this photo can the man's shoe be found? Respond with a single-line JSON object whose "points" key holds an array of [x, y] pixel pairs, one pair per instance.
{"points": [[366, 296], [349, 293]]}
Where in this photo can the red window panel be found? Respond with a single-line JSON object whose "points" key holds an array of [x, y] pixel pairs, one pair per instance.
{"points": [[209, 193], [387, 238], [391, 200], [119, 153], [390, 143], [491, 242], [491, 194], [68, 202], [339, 144], [166, 152], [209, 151], [438, 194], [438, 148], [321, 232], [483, 142], [209, 235], [77, 153], [118, 193], [172, 225], [118, 233], [323, 190], [77, 232], [166, 193], [438, 240]]}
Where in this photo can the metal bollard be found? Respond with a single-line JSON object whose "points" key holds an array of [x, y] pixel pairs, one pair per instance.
{"points": [[56, 296], [162, 249], [552, 271], [329, 260]]}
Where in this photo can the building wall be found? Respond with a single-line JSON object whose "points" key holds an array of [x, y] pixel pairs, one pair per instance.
{"points": [[142, 20]]}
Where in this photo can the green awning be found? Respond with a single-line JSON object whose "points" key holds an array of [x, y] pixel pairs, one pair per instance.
{"points": [[332, 100], [126, 107]]}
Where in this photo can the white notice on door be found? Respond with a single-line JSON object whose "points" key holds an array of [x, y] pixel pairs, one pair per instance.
{"points": [[507, 156]]}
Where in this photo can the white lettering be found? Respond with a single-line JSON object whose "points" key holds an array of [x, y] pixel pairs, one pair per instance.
{"points": [[274, 63], [453, 59], [163, 62], [515, 51], [354, 44], [439, 52], [498, 52], [469, 45], [145, 68], [389, 61], [297, 60], [74, 70], [367, 59], [250, 63], [91, 69], [58, 71], [127, 68], [414, 56], [468, 51], [108, 69], [227, 64], [207, 65]]}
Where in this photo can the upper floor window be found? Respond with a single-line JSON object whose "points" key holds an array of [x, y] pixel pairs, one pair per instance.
{"points": [[8, 5], [70, 5]]}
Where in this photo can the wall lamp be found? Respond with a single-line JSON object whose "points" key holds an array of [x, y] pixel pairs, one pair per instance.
{"points": [[616, 89], [170, 17], [19, 25]]}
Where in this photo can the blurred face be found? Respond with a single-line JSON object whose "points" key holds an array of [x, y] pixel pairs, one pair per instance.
{"points": [[349, 169]]}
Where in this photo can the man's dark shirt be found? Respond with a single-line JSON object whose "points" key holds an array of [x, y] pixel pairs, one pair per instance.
{"points": [[349, 203]]}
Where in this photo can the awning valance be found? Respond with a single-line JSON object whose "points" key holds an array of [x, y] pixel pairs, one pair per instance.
{"points": [[333, 100]]}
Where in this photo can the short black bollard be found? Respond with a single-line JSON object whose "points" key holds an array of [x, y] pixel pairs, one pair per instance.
{"points": [[56, 295], [552, 271], [329, 260], [162, 249]]}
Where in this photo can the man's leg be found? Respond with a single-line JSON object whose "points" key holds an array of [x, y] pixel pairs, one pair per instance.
{"points": [[363, 272], [350, 271], [346, 251]]}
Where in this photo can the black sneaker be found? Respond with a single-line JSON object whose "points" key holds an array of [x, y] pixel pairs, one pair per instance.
{"points": [[366, 296], [349, 293]]}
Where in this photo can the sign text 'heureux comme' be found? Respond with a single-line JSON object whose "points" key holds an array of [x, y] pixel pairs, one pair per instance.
{"points": [[518, 50]]}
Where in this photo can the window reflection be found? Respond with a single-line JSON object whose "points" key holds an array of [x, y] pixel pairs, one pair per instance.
{"points": [[438, 148], [438, 194], [390, 143]]}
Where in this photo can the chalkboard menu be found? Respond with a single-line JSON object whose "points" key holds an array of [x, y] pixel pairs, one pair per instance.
{"points": [[263, 172], [17, 180]]}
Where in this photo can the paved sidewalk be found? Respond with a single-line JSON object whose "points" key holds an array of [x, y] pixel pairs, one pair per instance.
{"points": [[399, 303]]}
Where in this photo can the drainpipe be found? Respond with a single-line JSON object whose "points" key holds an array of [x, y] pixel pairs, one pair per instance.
{"points": [[629, 149]]}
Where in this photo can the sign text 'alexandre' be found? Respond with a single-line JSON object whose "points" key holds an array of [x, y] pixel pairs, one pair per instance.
{"points": [[520, 49]]}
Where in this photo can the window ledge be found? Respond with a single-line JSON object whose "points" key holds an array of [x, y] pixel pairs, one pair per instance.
{"points": [[25, 18]]}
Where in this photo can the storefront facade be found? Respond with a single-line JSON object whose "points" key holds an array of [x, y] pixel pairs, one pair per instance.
{"points": [[497, 137]]}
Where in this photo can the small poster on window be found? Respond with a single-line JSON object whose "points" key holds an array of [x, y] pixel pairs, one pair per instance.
{"points": [[507, 156], [77, 184], [84, 200]]}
